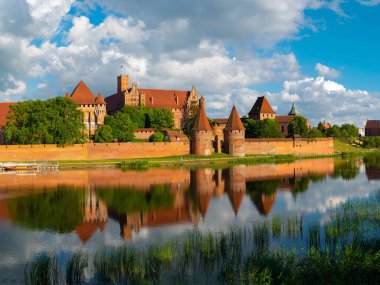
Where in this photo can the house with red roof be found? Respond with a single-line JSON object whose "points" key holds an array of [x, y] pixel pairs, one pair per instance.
{"points": [[372, 128]]}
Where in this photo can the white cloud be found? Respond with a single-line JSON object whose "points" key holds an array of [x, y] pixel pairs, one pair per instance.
{"points": [[326, 71], [42, 85], [317, 98], [17, 88]]}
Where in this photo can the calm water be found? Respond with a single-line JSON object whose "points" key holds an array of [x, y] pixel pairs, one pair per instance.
{"points": [[74, 210]]}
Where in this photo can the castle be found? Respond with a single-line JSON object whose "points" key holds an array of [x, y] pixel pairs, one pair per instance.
{"points": [[178, 101]]}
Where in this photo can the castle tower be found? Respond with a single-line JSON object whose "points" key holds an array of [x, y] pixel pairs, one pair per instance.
{"points": [[201, 133], [294, 111], [262, 110], [234, 135], [123, 83]]}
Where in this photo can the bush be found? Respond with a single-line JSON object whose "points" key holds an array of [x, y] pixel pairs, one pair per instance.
{"points": [[157, 137], [371, 142]]}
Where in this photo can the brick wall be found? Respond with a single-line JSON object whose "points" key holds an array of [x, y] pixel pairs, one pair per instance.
{"points": [[320, 146], [92, 151]]}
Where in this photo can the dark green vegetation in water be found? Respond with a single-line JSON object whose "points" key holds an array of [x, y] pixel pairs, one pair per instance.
{"points": [[343, 250]]}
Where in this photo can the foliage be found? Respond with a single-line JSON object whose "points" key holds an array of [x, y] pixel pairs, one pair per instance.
{"points": [[267, 128], [157, 137], [44, 269], [103, 134], [159, 119], [298, 126], [316, 133], [371, 142], [60, 211], [190, 118], [54, 121], [121, 125], [137, 115], [347, 132]]}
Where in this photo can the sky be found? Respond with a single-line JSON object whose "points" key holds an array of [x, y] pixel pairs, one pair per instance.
{"points": [[323, 54]]}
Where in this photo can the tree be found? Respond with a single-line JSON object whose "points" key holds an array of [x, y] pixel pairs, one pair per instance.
{"points": [[316, 133], [157, 137], [55, 121], [160, 119], [298, 126], [267, 128], [190, 118], [334, 131], [121, 125], [137, 115], [104, 134]]}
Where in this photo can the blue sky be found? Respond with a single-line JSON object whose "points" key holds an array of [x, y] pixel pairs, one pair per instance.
{"points": [[322, 54]]}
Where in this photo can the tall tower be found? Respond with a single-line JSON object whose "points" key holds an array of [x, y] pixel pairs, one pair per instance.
{"points": [[201, 133], [234, 135], [123, 83]]}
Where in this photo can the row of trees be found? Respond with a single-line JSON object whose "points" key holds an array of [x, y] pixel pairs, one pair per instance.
{"points": [[122, 125], [54, 121]]}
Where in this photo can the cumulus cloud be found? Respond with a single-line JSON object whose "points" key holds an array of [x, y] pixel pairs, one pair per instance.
{"points": [[317, 98], [369, 2], [326, 71]]}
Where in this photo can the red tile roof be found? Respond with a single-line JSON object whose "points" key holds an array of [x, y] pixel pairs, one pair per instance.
{"points": [[99, 99], [156, 98], [372, 124], [284, 119], [201, 122], [221, 121], [261, 106], [82, 95], [176, 136], [234, 121], [4, 111]]}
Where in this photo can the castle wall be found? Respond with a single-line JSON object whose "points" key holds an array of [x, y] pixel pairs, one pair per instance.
{"points": [[318, 146], [92, 151]]}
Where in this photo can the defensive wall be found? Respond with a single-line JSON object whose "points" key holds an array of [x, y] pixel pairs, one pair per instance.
{"points": [[100, 151], [317, 146], [92, 151]]}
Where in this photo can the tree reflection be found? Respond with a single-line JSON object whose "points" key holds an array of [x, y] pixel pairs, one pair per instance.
{"points": [[60, 211], [347, 169], [125, 200]]}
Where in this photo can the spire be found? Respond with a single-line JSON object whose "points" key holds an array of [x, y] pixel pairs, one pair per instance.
{"points": [[100, 100], [234, 121], [294, 111], [201, 122]]}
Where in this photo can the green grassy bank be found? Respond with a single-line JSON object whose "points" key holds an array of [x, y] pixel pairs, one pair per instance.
{"points": [[344, 249]]}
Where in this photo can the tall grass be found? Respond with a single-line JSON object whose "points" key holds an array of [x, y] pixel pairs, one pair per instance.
{"points": [[75, 271], [44, 269]]}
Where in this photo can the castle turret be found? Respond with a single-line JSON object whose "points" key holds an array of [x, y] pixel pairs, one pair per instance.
{"points": [[123, 83], [234, 135], [201, 133]]}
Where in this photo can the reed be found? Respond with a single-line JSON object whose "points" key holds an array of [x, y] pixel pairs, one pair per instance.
{"points": [[75, 271], [44, 269]]}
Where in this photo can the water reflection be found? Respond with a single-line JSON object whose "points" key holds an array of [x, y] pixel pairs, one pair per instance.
{"points": [[84, 201]]}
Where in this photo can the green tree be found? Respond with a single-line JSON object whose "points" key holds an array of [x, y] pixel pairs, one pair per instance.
{"points": [[267, 128], [55, 121], [334, 131], [190, 118], [298, 126], [121, 125], [316, 133], [137, 115], [160, 119], [104, 134], [157, 137]]}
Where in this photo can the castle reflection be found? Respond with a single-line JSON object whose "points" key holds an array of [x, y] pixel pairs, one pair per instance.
{"points": [[156, 197]]}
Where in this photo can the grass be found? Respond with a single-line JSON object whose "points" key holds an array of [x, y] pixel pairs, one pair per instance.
{"points": [[345, 249]]}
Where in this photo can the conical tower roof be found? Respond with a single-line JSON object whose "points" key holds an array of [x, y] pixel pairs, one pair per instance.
{"points": [[234, 122], [201, 122], [100, 100], [294, 111], [236, 198], [82, 94]]}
